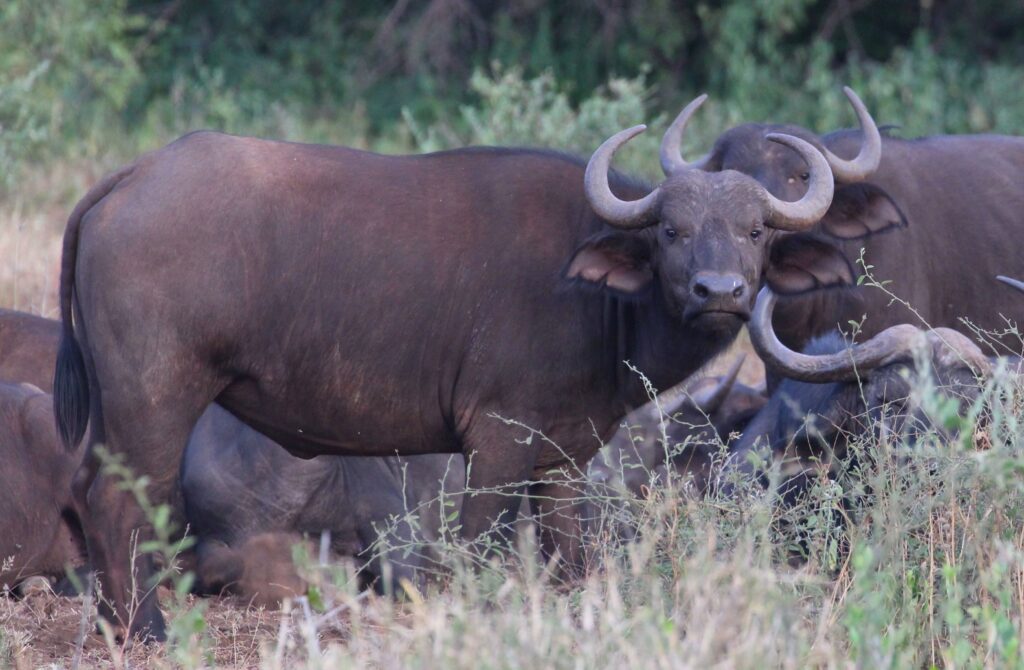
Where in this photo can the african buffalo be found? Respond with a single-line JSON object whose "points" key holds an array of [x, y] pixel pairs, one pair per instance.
{"points": [[836, 390], [28, 348], [344, 302], [240, 489], [238, 485], [39, 532], [959, 196], [684, 428]]}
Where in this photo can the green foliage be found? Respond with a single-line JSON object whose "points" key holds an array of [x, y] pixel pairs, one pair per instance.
{"points": [[517, 111], [85, 49], [22, 128], [122, 76], [187, 635]]}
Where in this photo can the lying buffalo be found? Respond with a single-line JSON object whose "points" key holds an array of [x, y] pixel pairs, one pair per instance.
{"points": [[39, 533], [343, 302], [240, 488], [836, 391], [961, 196], [683, 430]]}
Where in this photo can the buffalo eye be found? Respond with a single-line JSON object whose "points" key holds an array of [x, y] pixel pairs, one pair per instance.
{"points": [[805, 177], [755, 234], [671, 233]]}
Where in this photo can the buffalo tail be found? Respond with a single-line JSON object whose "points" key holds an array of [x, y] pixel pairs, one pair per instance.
{"points": [[70, 378]]}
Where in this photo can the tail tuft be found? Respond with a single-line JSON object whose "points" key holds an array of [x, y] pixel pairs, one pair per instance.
{"points": [[70, 391]]}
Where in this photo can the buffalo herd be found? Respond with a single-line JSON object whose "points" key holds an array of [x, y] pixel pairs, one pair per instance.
{"points": [[292, 341]]}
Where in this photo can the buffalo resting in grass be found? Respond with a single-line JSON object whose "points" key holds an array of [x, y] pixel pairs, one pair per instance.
{"points": [[39, 531], [685, 430], [343, 302], [836, 391], [39, 534], [958, 196], [240, 488]]}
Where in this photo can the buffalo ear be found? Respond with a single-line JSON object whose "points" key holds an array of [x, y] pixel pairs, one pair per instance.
{"points": [[801, 262], [619, 261], [859, 210]]}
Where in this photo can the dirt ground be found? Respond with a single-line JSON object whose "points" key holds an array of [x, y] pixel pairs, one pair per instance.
{"points": [[46, 630]]}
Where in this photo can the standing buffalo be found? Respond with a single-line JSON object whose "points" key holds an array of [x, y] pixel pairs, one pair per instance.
{"points": [[343, 302], [239, 489], [961, 196]]}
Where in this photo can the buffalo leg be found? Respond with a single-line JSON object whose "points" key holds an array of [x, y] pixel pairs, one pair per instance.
{"points": [[558, 512], [499, 462], [149, 431]]}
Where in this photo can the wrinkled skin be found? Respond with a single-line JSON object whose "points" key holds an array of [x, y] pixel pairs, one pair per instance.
{"points": [[239, 485], [960, 197], [347, 303], [39, 531]]}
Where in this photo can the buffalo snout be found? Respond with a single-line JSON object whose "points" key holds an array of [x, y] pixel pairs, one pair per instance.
{"points": [[719, 292]]}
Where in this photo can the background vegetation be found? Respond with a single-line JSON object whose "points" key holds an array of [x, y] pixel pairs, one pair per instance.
{"points": [[928, 570], [113, 77]]}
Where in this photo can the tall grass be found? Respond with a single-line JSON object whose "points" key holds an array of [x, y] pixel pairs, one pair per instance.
{"points": [[912, 556], [929, 573]]}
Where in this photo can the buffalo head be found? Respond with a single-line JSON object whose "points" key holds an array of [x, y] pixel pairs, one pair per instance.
{"points": [[834, 390], [701, 238], [859, 207], [696, 417]]}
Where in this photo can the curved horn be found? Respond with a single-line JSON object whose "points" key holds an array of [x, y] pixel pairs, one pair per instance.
{"points": [[710, 400], [951, 348], [619, 213], [671, 152], [1010, 281], [807, 211], [866, 162], [883, 348]]}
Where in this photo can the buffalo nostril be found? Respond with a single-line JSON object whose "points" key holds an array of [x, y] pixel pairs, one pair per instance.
{"points": [[738, 292], [700, 290]]}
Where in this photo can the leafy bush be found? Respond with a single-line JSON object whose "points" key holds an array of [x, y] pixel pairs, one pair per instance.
{"points": [[517, 111]]}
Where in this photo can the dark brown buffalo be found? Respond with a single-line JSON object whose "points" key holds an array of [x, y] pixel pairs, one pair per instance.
{"points": [[28, 348], [343, 302], [835, 391], [39, 533], [238, 486], [685, 428], [242, 491], [960, 195]]}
